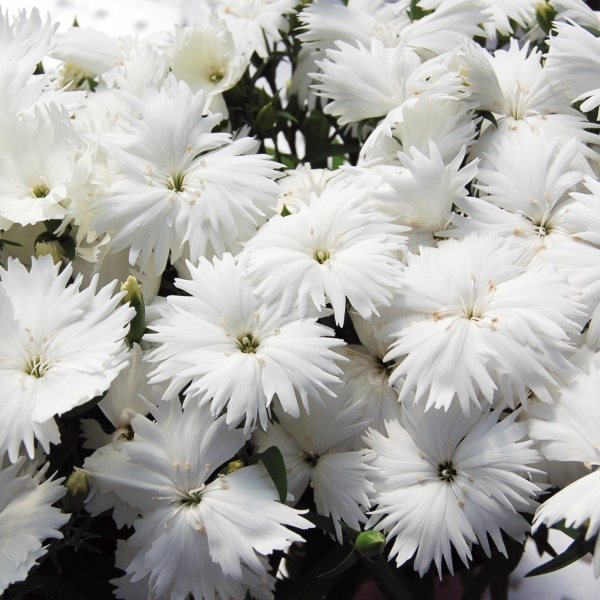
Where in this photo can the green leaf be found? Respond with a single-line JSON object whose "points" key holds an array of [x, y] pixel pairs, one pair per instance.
{"points": [[578, 549], [285, 212], [415, 12], [489, 116], [351, 533], [312, 586], [570, 531], [275, 465], [350, 560], [323, 523], [9, 243], [287, 115], [384, 574]]}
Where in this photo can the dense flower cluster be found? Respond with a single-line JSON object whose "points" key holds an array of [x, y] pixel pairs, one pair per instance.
{"points": [[358, 249]]}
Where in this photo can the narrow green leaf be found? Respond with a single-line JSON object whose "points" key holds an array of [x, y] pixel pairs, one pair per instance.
{"points": [[570, 531], [351, 533], [324, 523], [275, 465], [312, 586], [287, 115], [350, 560], [578, 549], [9, 243], [285, 212], [384, 574]]}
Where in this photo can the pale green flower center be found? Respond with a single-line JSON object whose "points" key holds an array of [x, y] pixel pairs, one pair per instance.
{"points": [[321, 255], [216, 74], [249, 343], [35, 366], [192, 497], [41, 190], [176, 182]]}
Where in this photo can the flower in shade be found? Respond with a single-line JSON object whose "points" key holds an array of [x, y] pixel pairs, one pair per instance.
{"points": [[27, 517], [201, 531]]}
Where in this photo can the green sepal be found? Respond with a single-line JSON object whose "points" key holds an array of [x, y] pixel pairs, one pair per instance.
{"points": [[273, 461]]}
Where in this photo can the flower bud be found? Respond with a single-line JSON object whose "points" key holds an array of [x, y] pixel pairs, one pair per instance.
{"points": [[48, 248], [234, 465], [77, 490], [369, 543], [135, 297]]}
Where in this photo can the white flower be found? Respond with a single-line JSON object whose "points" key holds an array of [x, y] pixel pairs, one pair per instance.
{"points": [[200, 532], [27, 518], [122, 402], [445, 479], [482, 323], [179, 183], [60, 347], [317, 450], [366, 83], [206, 57], [569, 430], [424, 193], [574, 63], [448, 123], [525, 195], [366, 375], [38, 153], [334, 249], [236, 351]]}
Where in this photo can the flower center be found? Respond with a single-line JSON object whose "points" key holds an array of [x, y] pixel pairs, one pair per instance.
{"points": [[216, 74], [249, 343], [321, 255], [36, 366], [310, 457], [446, 471], [41, 190], [192, 497], [176, 182]]}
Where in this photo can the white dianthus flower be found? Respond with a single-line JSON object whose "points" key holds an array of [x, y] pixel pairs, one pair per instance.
{"points": [[200, 532], [481, 323], [569, 430], [235, 350], [444, 479], [60, 347], [27, 518], [317, 448], [177, 183], [333, 249]]}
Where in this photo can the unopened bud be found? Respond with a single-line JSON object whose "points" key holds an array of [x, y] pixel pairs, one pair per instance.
{"points": [[48, 248], [369, 543], [234, 465], [77, 490], [135, 297]]}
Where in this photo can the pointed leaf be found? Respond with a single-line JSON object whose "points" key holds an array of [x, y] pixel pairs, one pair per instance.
{"points": [[578, 549], [351, 559], [275, 465]]}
